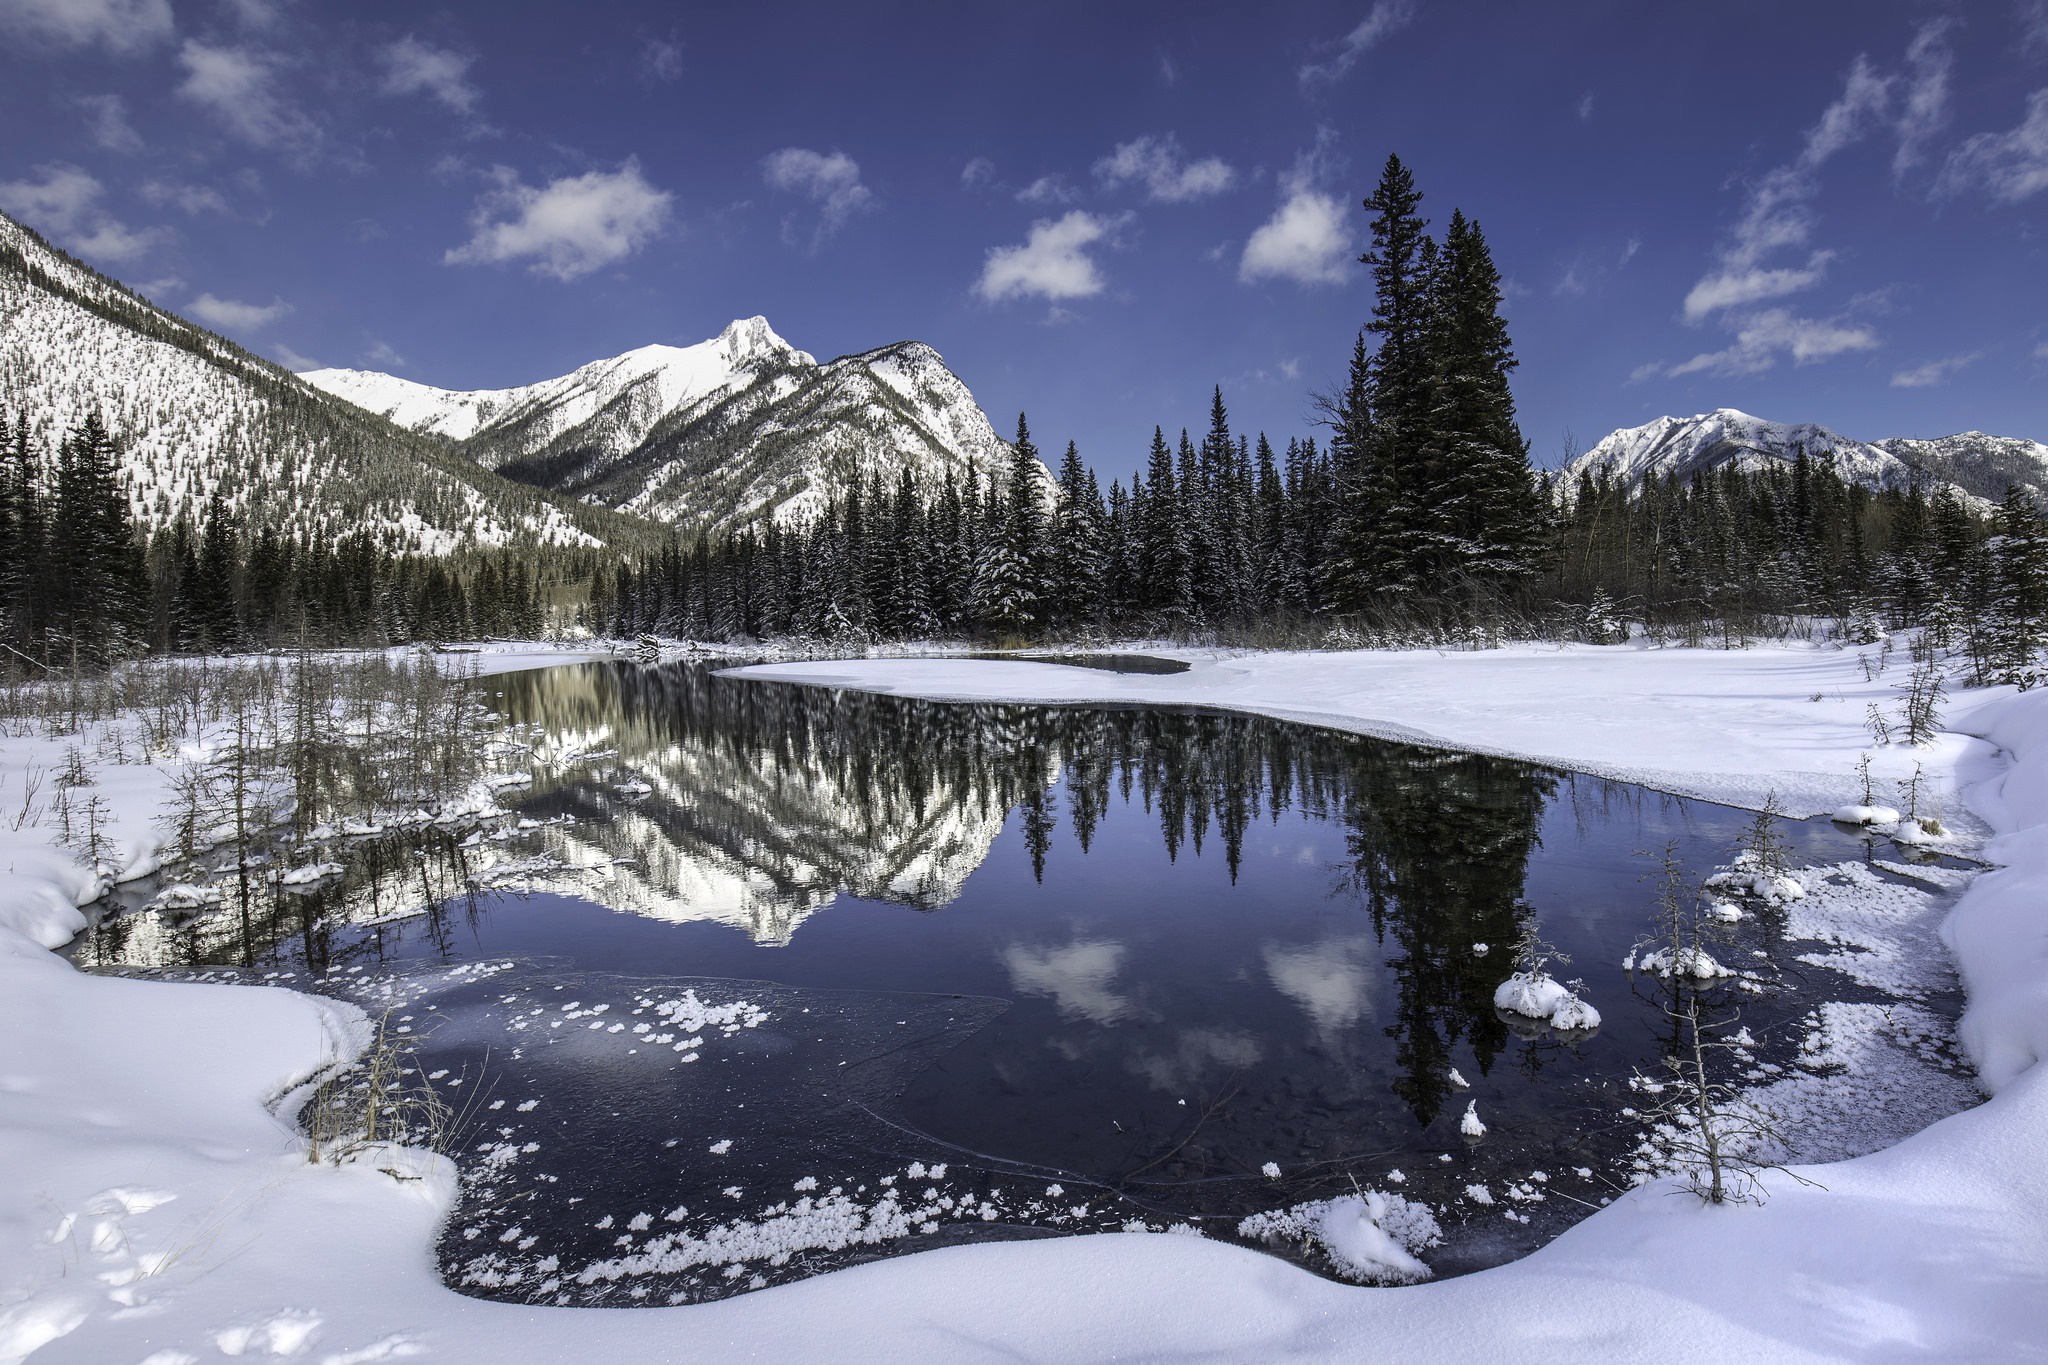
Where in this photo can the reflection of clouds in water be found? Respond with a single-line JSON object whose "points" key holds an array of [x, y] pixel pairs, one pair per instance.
{"points": [[1329, 980], [1198, 1052], [1077, 977]]}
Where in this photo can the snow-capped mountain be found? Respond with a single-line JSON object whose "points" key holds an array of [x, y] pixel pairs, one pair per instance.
{"points": [[192, 412], [1978, 466], [709, 436]]}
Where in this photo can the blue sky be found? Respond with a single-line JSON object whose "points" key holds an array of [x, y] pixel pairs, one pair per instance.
{"points": [[1819, 211]]}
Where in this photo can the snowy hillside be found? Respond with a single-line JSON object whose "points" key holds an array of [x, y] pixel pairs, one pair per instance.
{"points": [[1978, 466], [712, 435], [192, 412]]}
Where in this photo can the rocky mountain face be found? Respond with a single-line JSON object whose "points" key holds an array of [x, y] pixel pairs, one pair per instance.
{"points": [[731, 430], [1979, 467], [193, 413]]}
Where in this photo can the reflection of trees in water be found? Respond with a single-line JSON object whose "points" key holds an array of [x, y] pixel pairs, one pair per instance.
{"points": [[418, 883], [768, 800], [1440, 847]]}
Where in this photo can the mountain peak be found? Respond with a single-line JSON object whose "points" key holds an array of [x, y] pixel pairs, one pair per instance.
{"points": [[752, 337]]}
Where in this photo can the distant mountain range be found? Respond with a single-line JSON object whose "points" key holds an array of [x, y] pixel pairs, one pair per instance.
{"points": [[1978, 466], [728, 431]]}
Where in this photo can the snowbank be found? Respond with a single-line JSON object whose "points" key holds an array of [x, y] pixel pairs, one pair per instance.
{"points": [[154, 1207]]}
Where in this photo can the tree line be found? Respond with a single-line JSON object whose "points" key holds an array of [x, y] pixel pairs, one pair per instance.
{"points": [[82, 584]]}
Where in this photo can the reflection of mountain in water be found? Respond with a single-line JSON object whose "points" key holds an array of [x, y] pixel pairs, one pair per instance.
{"points": [[762, 804]]}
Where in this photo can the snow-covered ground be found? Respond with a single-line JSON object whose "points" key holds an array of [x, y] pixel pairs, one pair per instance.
{"points": [[154, 1208]]}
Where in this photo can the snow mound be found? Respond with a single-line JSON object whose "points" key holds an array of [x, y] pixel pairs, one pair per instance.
{"points": [[1371, 1237], [1538, 995], [1696, 963], [1866, 815]]}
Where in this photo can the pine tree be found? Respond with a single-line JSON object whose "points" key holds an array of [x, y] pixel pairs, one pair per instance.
{"points": [[1077, 544], [2019, 591], [1477, 518], [98, 601], [1386, 411]]}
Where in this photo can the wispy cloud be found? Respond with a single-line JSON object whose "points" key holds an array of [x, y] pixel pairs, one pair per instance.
{"points": [[240, 87], [978, 174], [122, 27], [1749, 266], [1764, 338], [64, 201], [1048, 190], [382, 354], [1934, 371], [1157, 163], [2008, 166], [661, 59], [412, 67], [1052, 263], [228, 315], [1387, 17], [1586, 107], [191, 199], [106, 119], [831, 181], [292, 360], [567, 228]]}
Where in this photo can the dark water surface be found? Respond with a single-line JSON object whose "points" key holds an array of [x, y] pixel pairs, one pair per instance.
{"points": [[987, 970]]}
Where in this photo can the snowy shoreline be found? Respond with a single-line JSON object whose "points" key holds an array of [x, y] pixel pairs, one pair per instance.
{"points": [[156, 1209]]}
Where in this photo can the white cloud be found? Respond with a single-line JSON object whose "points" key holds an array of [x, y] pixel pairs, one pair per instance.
{"points": [[120, 26], [2041, 351], [1048, 190], [192, 199], [1762, 339], [412, 67], [2008, 166], [1735, 286], [382, 353], [1052, 263], [64, 202], [1387, 17], [567, 229], [110, 239], [977, 173], [1158, 165], [106, 118], [1586, 107], [1933, 372], [228, 315], [1169, 74], [1308, 238], [60, 201], [240, 86], [832, 182]]}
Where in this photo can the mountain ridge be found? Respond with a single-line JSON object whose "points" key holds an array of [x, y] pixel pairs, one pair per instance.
{"points": [[193, 414]]}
